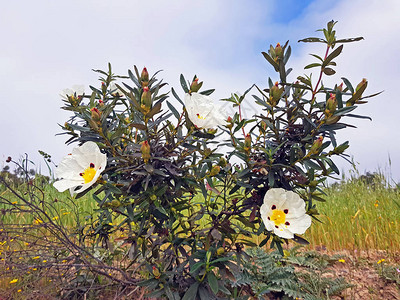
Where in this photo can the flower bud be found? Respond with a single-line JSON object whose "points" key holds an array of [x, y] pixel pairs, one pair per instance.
{"points": [[215, 170], [212, 131], [247, 143], [278, 51], [156, 273], [363, 82], [229, 123], [331, 105], [8, 159], [220, 251], [144, 77], [146, 99], [340, 87], [222, 162], [207, 152], [275, 94], [96, 115], [101, 103], [315, 148], [196, 85], [145, 149]]}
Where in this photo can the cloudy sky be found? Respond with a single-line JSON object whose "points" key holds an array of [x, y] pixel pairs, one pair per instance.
{"points": [[51, 45]]}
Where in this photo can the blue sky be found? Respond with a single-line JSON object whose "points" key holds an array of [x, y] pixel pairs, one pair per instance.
{"points": [[48, 46]]}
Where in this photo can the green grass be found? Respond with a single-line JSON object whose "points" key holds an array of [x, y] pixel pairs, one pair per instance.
{"points": [[358, 215]]}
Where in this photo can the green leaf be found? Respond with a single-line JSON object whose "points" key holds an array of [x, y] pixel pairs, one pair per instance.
{"points": [[287, 55], [300, 240], [174, 111], [191, 292], [264, 241], [207, 92], [313, 65], [359, 117], [205, 294], [349, 40], [348, 84], [213, 282], [271, 61], [196, 266], [329, 71], [176, 96], [331, 56], [183, 84], [312, 40], [344, 110]]}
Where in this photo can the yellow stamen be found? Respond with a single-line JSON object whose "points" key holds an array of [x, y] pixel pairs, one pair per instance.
{"points": [[200, 117], [88, 174], [278, 217]]}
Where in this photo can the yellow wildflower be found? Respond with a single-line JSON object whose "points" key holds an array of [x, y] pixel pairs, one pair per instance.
{"points": [[14, 280], [341, 260]]}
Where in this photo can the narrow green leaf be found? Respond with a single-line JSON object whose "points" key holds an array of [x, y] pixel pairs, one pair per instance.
{"points": [[331, 56], [313, 65], [348, 84], [191, 292], [329, 71], [207, 92], [312, 40], [173, 110], [271, 61], [349, 40], [176, 96], [183, 84], [213, 282]]}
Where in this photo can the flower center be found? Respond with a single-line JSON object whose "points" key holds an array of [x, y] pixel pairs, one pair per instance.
{"points": [[278, 216], [89, 173], [200, 117]]}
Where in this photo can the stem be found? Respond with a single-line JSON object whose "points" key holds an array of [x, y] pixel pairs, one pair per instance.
{"points": [[319, 79], [240, 116]]}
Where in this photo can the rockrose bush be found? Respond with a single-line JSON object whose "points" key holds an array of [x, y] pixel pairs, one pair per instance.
{"points": [[182, 188]]}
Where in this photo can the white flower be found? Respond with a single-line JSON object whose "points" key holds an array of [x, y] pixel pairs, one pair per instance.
{"points": [[80, 169], [77, 90], [284, 213], [203, 112]]}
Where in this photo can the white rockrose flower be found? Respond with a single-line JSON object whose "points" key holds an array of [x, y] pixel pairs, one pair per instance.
{"points": [[80, 169], [202, 111], [77, 90], [284, 213]]}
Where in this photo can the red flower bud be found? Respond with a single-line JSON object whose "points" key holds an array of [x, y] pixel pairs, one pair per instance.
{"points": [[146, 98], [96, 114], [196, 85], [144, 77], [278, 51], [145, 149], [247, 142]]}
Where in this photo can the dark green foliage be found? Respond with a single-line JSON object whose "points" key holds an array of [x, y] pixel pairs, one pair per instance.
{"points": [[188, 208]]}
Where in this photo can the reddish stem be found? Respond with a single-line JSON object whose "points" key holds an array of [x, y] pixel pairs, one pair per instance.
{"points": [[240, 116], [320, 77]]}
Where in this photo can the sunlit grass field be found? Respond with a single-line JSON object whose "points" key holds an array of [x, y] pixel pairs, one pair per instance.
{"points": [[356, 215]]}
